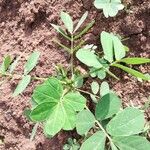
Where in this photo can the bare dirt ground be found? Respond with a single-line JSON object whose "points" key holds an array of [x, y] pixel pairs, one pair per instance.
{"points": [[25, 26]]}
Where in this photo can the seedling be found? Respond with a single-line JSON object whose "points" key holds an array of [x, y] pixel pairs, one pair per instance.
{"points": [[110, 7], [58, 103]]}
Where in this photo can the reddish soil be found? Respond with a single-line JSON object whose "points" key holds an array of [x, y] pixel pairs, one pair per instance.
{"points": [[25, 26]]}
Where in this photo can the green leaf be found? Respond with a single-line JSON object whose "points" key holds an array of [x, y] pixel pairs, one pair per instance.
{"points": [[14, 64], [131, 71], [95, 87], [101, 74], [31, 62], [50, 91], [6, 63], [107, 44], [55, 121], [93, 97], [110, 7], [22, 85], [119, 48], [84, 30], [42, 111], [75, 100], [95, 142], [88, 58], [60, 30], [81, 21], [128, 122], [60, 110], [85, 121], [104, 89], [135, 60], [70, 117], [132, 143], [67, 20], [107, 106]]}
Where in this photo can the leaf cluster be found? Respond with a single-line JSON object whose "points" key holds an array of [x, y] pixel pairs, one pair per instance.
{"points": [[8, 66], [110, 7], [114, 56]]}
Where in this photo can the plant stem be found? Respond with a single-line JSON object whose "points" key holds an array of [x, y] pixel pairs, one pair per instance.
{"points": [[72, 49], [87, 92], [101, 127], [20, 76]]}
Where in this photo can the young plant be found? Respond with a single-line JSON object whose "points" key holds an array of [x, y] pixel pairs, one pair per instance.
{"points": [[114, 56], [58, 103], [110, 7]]}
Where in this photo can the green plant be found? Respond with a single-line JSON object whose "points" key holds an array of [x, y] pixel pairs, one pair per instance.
{"points": [[110, 7], [58, 103], [114, 56], [115, 128]]}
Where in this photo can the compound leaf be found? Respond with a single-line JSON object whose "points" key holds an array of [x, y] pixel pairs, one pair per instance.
{"points": [[128, 122], [85, 121], [110, 8], [60, 110], [95, 142], [87, 57], [132, 143], [107, 106], [67, 20], [22, 85], [31, 62]]}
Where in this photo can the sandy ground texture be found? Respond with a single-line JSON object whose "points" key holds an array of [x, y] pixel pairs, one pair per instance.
{"points": [[25, 26]]}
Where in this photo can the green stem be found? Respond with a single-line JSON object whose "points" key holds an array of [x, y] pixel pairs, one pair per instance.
{"points": [[20, 76], [101, 127], [72, 49], [63, 46], [82, 91]]}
